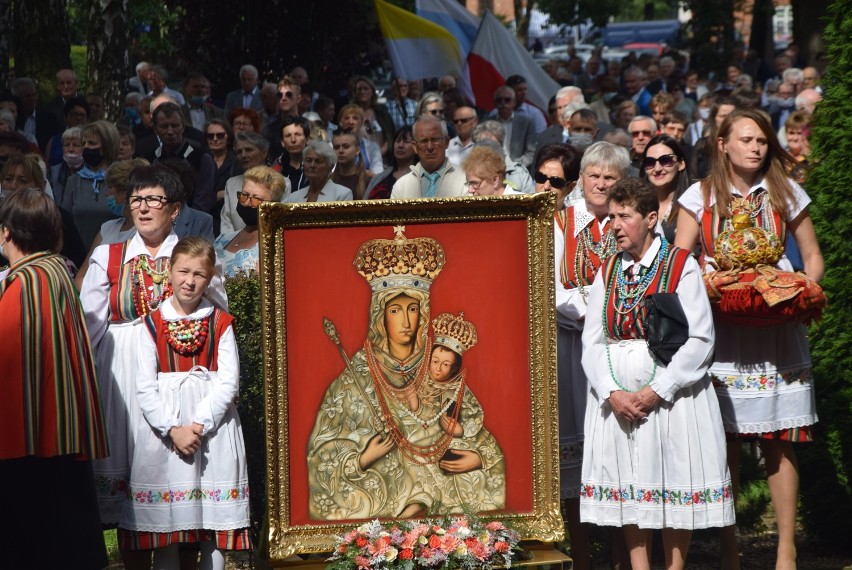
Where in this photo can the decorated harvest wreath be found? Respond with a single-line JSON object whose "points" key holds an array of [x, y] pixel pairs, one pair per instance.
{"points": [[747, 289]]}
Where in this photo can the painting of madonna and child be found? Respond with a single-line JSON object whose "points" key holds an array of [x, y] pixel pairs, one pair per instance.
{"points": [[408, 371]]}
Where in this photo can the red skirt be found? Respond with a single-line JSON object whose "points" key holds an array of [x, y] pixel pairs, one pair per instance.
{"points": [[238, 539], [794, 435]]}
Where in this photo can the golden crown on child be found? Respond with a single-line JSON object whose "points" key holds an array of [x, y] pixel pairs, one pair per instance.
{"points": [[454, 332], [400, 262]]}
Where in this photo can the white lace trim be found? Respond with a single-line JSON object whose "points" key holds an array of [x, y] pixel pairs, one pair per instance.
{"points": [[769, 427]]}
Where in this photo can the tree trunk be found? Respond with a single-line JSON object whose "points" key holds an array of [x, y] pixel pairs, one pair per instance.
{"points": [[808, 27], [108, 59], [5, 34], [760, 37], [40, 43]]}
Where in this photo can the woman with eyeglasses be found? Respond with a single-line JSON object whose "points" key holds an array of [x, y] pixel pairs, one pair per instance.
{"points": [[125, 282], [583, 240], [252, 150], [485, 172], [238, 251], [664, 166], [319, 160], [245, 120]]}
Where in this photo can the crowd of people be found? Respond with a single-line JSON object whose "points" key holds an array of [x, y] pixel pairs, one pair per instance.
{"points": [[148, 214]]}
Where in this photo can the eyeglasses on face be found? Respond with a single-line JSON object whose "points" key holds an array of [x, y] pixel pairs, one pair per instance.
{"points": [[473, 184], [463, 120], [436, 111], [152, 202], [247, 199], [287, 94], [637, 134], [666, 161], [555, 181], [426, 142], [216, 136], [243, 124]]}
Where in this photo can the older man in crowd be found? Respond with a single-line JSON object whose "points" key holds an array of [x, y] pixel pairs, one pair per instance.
{"points": [[248, 95], [642, 129], [435, 176], [465, 120], [518, 83], [520, 132]]}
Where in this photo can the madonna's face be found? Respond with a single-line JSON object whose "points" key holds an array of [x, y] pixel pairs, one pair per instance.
{"points": [[402, 319]]}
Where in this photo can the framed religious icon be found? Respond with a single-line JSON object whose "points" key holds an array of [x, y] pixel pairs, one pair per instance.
{"points": [[410, 362]]}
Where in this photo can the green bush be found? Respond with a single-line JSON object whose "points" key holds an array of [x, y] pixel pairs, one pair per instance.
{"points": [[244, 304], [826, 464], [78, 64]]}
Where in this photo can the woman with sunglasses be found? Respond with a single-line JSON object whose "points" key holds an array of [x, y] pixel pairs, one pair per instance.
{"points": [[664, 166], [126, 281], [220, 138], [238, 250]]}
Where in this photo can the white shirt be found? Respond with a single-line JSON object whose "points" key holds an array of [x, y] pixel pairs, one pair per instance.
{"points": [[457, 152]]}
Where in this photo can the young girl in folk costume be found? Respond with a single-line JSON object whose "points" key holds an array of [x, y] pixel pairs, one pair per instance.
{"points": [[189, 481]]}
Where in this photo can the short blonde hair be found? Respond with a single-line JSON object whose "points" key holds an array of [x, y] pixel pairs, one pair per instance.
{"points": [[485, 162], [269, 179]]}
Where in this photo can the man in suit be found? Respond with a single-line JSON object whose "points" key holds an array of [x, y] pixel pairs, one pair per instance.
{"points": [[198, 109], [66, 87], [635, 80], [169, 128], [139, 82], [520, 132], [248, 96], [34, 122], [434, 176], [158, 79], [558, 133]]}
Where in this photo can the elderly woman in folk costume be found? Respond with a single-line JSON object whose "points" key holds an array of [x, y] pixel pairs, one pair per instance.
{"points": [[366, 454], [583, 240], [654, 454]]}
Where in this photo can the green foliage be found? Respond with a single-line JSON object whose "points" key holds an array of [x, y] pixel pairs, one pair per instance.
{"points": [[78, 64], [826, 465], [111, 541], [154, 25], [711, 37], [244, 304]]}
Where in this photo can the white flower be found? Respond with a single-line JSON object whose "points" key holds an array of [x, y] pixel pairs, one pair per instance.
{"points": [[390, 554]]}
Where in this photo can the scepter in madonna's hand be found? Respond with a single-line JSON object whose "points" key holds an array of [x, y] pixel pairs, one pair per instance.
{"points": [[331, 331]]}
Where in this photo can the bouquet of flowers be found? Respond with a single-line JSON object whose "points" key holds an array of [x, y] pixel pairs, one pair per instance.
{"points": [[453, 542]]}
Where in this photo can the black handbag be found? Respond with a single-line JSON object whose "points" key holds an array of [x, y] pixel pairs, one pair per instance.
{"points": [[666, 325]]}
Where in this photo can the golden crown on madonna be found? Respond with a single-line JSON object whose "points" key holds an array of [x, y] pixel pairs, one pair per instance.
{"points": [[454, 332], [400, 262]]}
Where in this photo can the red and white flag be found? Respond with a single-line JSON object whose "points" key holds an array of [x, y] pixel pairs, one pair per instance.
{"points": [[495, 55]]}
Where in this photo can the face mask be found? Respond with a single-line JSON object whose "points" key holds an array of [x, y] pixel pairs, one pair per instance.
{"points": [[248, 214], [581, 141], [132, 114], [73, 159], [197, 101], [114, 207], [703, 113], [92, 156]]}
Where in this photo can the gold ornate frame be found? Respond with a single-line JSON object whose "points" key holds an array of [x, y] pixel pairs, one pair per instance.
{"points": [[544, 522]]}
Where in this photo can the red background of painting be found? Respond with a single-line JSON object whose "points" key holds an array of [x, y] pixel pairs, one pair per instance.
{"points": [[485, 276]]}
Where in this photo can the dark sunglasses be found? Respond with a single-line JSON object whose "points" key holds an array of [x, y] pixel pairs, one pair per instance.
{"points": [[500, 100], [216, 136], [555, 181], [287, 94], [666, 161], [636, 134], [463, 120]]}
